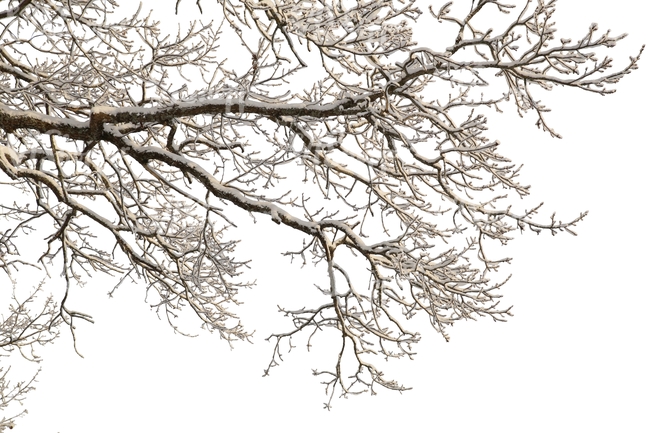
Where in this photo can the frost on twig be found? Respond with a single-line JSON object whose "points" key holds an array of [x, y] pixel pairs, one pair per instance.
{"points": [[135, 148], [30, 322]]}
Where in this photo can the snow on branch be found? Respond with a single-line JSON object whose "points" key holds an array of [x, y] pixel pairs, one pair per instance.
{"points": [[135, 150]]}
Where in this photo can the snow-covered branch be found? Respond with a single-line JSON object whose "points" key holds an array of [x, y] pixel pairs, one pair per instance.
{"points": [[132, 150]]}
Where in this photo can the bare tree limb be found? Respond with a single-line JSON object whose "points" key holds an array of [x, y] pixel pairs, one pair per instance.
{"points": [[130, 151]]}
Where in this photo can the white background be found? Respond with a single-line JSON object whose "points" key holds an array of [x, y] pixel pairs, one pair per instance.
{"points": [[573, 358]]}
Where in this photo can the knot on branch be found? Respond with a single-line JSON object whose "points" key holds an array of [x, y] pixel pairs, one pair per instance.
{"points": [[98, 117]]}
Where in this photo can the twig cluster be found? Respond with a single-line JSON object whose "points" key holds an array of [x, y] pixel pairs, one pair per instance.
{"points": [[135, 167]]}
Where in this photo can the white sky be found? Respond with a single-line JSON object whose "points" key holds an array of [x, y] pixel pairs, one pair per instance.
{"points": [[573, 358]]}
